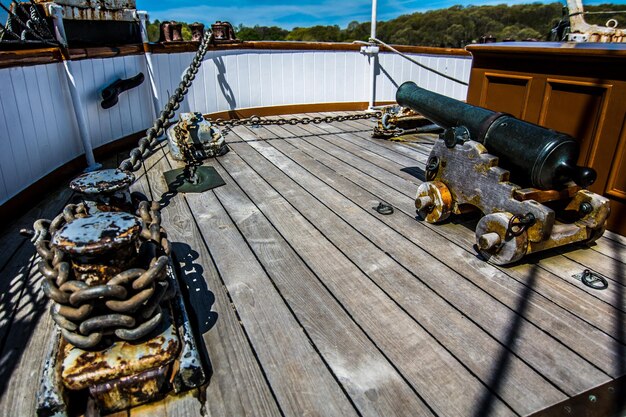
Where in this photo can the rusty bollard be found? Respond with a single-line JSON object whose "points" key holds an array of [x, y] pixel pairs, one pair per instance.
{"points": [[177, 31], [126, 337], [165, 32], [106, 306], [223, 32], [104, 190], [197, 31]]}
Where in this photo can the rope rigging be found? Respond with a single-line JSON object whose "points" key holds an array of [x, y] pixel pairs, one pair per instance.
{"points": [[405, 56]]}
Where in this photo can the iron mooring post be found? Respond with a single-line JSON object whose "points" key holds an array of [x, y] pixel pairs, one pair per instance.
{"points": [[123, 332]]}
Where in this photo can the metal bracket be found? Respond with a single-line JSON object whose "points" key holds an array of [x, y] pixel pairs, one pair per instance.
{"points": [[370, 50], [592, 280]]}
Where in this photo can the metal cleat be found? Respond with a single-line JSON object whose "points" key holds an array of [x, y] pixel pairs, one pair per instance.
{"points": [[104, 190]]}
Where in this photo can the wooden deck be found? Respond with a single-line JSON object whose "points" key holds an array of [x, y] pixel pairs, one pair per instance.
{"points": [[309, 302]]}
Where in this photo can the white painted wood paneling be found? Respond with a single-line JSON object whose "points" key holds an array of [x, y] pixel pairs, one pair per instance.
{"points": [[38, 130]]}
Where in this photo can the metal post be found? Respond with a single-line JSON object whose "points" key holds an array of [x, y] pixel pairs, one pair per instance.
{"points": [[143, 25], [373, 57], [373, 25], [56, 12]]}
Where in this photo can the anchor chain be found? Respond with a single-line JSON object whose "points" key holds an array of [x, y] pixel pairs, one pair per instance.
{"points": [[258, 121], [128, 305], [147, 143]]}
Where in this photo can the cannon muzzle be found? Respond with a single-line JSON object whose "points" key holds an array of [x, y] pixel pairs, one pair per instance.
{"points": [[535, 155]]}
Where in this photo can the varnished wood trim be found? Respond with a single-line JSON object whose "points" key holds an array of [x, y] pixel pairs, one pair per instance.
{"points": [[294, 109], [490, 76], [300, 46], [29, 57], [617, 167], [27, 198], [105, 51], [560, 49], [50, 55]]}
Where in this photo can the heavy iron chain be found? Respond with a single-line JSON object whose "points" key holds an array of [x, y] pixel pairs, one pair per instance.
{"points": [[258, 121], [147, 143], [127, 305]]}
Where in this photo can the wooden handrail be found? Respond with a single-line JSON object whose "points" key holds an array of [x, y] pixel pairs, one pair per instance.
{"points": [[39, 56]]}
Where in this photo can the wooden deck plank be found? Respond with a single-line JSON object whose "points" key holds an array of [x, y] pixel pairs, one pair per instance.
{"points": [[11, 240], [237, 384], [611, 248], [374, 385], [589, 258], [478, 271], [391, 329], [562, 294], [392, 314], [604, 244], [429, 238], [299, 379], [470, 344]]}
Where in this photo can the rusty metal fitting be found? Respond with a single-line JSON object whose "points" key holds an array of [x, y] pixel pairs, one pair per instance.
{"points": [[104, 266], [165, 32], [104, 190], [197, 31], [177, 31], [223, 32], [100, 245]]}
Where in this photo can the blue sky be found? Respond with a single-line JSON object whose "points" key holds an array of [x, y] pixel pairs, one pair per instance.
{"points": [[291, 13]]}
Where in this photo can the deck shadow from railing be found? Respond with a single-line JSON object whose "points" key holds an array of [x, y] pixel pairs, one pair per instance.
{"points": [[226, 89], [499, 375], [199, 300], [24, 306]]}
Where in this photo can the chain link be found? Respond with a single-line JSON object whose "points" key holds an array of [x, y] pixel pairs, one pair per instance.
{"points": [[257, 121], [147, 143], [127, 305]]}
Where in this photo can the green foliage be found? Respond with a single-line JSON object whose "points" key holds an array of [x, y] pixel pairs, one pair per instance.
{"points": [[261, 33], [455, 26]]}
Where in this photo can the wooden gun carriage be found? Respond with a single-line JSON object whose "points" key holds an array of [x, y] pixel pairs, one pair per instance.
{"points": [[523, 178]]}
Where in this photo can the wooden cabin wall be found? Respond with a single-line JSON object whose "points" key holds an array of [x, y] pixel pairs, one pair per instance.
{"points": [[38, 131]]}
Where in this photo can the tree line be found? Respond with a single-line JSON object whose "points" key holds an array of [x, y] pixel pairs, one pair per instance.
{"points": [[454, 27]]}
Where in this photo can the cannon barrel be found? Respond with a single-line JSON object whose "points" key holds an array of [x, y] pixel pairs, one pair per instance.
{"points": [[535, 155]]}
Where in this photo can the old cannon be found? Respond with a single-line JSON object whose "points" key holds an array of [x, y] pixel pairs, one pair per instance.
{"points": [[522, 176]]}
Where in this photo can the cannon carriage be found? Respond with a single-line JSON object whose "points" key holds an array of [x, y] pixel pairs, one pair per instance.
{"points": [[521, 176]]}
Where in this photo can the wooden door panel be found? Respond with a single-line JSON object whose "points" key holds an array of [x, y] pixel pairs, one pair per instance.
{"points": [[616, 186], [576, 108], [506, 93]]}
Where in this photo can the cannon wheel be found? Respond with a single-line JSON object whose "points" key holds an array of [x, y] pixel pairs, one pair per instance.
{"points": [[433, 201], [494, 242]]}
